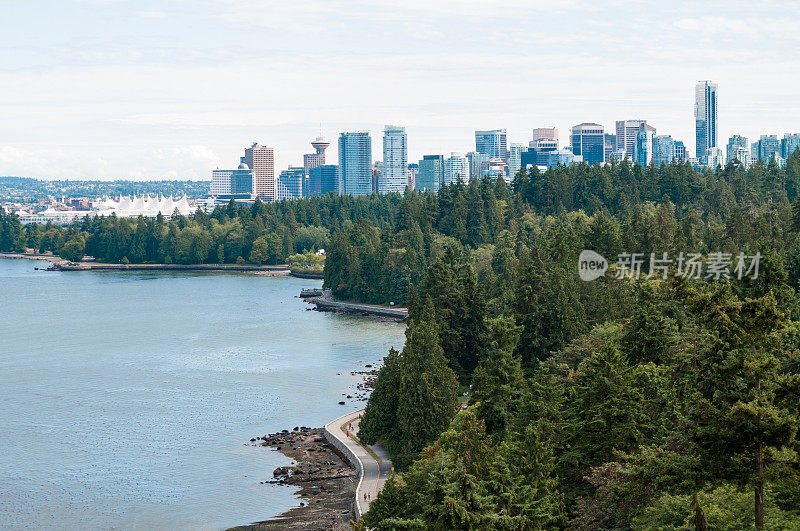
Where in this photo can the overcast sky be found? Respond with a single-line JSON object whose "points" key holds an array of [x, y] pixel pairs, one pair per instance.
{"points": [[172, 89]]}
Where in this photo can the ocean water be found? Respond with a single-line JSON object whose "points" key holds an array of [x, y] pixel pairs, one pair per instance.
{"points": [[126, 398]]}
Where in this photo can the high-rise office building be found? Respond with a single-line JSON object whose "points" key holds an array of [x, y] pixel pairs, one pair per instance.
{"points": [[412, 176], [430, 173], [289, 184], [394, 171], [515, 159], [242, 179], [478, 162], [644, 144], [220, 182], [538, 152], [322, 180], [492, 143], [736, 144], [680, 150], [545, 133], [355, 163], [789, 144], [714, 157], [663, 149], [766, 147], [627, 134], [312, 160], [588, 141], [261, 159], [562, 157], [609, 145], [705, 117], [456, 168]]}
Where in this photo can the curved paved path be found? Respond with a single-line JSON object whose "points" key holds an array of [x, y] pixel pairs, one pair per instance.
{"points": [[376, 471]]}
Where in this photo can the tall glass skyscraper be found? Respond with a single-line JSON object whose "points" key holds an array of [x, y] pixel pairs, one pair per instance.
{"points": [[515, 159], [456, 167], [322, 180], [394, 170], [430, 173], [588, 141], [355, 163], [705, 117], [663, 149], [289, 184], [644, 144], [492, 143]]}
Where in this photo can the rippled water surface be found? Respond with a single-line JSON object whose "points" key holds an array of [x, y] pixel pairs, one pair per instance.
{"points": [[125, 398]]}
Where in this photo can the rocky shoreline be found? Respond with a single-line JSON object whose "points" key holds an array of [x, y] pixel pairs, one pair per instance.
{"points": [[327, 481]]}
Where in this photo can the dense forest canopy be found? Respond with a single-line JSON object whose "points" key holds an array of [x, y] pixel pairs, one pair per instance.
{"points": [[620, 403]]}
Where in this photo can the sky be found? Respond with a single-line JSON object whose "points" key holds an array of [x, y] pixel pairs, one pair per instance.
{"points": [[141, 89]]}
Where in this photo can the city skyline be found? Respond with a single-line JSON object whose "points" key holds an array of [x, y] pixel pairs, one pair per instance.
{"points": [[188, 103]]}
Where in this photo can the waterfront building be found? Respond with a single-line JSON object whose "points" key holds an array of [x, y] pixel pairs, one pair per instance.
{"points": [[766, 147], [680, 150], [261, 160], [430, 174], [322, 180], [456, 167], [663, 149], [355, 163], [735, 144], [789, 144], [312, 160], [492, 143], [588, 142], [394, 170], [644, 144], [515, 159], [627, 134], [714, 157], [290, 183], [241, 180], [220, 182], [478, 162], [705, 117]]}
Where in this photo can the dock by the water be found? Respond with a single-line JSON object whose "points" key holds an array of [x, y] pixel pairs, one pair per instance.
{"points": [[325, 302]]}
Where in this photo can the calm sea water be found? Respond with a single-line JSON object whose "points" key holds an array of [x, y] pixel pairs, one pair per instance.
{"points": [[125, 398]]}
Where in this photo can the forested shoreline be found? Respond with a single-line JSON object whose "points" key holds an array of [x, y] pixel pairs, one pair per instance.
{"points": [[620, 403]]}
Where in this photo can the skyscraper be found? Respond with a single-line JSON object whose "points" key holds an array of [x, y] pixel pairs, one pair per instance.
{"points": [[765, 148], [492, 143], [355, 163], [290, 183], [736, 144], [680, 150], [545, 133], [394, 171], [312, 160], [456, 167], [627, 131], [430, 173], [220, 182], [588, 141], [261, 159], [789, 144], [242, 179], [515, 159], [663, 149], [644, 144], [322, 180], [705, 117], [714, 157], [478, 162]]}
